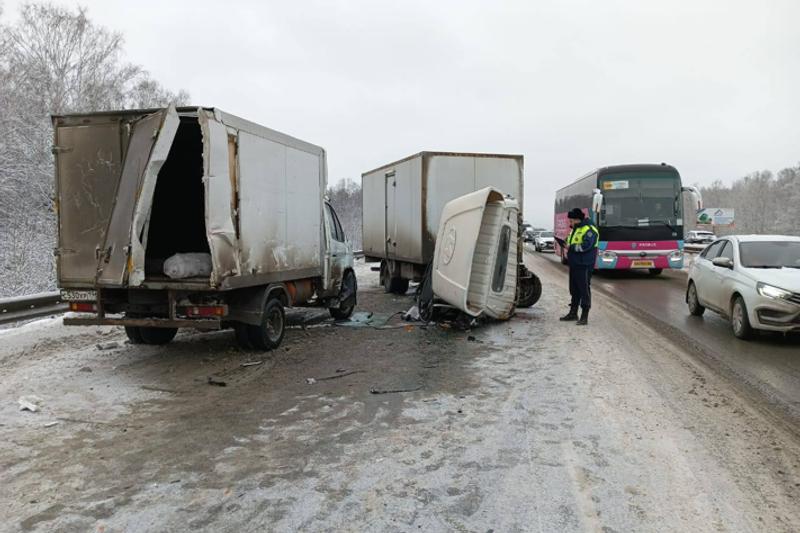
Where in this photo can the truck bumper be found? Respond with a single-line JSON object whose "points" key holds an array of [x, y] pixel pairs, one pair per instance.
{"points": [[208, 324]]}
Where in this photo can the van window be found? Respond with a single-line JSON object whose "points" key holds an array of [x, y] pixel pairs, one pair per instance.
{"points": [[332, 222]]}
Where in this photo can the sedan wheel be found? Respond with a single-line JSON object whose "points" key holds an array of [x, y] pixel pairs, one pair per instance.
{"points": [[739, 320], [694, 303]]}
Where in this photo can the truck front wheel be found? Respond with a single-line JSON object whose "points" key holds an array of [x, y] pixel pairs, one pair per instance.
{"points": [[269, 334], [347, 297], [134, 334], [530, 290]]}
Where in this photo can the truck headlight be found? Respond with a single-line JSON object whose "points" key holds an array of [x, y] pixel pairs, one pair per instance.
{"points": [[772, 292], [608, 257]]}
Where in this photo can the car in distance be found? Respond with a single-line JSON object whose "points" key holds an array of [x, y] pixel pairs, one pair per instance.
{"points": [[544, 242], [753, 280], [700, 237]]}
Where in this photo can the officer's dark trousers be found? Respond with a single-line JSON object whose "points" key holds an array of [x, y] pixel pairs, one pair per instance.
{"points": [[579, 278]]}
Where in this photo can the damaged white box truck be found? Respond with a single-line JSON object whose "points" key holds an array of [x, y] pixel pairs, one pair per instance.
{"points": [[403, 204], [192, 217]]}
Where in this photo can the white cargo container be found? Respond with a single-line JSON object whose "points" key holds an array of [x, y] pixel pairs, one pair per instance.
{"points": [[403, 203], [188, 185]]}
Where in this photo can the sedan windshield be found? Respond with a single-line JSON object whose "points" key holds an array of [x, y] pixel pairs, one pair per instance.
{"points": [[770, 254], [546, 234]]}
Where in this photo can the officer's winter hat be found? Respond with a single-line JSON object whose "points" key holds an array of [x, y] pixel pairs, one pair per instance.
{"points": [[575, 214]]}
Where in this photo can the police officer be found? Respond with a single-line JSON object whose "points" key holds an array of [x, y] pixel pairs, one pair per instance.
{"points": [[581, 255]]}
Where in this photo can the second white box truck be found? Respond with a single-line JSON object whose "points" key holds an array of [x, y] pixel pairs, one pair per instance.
{"points": [[403, 203]]}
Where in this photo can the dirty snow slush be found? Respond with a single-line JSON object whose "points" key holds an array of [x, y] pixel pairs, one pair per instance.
{"points": [[530, 426]]}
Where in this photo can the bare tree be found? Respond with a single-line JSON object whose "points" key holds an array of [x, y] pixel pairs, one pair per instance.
{"points": [[53, 60]]}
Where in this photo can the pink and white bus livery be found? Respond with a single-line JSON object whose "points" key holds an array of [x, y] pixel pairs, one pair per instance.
{"points": [[638, 210]]}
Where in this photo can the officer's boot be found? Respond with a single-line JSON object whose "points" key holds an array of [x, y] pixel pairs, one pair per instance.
{"points": [[584, 319], [572, 315]]}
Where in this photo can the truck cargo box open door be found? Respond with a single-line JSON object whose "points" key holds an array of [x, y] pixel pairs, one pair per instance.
{"points": [[150, 140]]}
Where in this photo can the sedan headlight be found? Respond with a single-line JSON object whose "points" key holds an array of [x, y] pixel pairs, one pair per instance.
{"points": [[773, 292]]}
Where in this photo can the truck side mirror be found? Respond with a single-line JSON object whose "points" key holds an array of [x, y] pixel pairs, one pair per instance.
{"points": [[597, 201]]}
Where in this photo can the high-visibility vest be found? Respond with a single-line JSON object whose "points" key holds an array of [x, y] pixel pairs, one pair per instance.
{"points": [[576, 237]]}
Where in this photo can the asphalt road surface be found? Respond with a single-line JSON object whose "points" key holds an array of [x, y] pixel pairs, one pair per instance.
{"points": [[525, 425], [767, 366]]}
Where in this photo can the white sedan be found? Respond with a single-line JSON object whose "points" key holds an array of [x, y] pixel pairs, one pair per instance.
{"points": [[754, 280]]}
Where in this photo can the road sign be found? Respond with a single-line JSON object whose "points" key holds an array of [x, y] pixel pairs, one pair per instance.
{"points": [[716, 216]]}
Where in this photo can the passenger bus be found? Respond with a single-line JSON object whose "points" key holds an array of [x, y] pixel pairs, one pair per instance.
{"points": [[638, 210]]}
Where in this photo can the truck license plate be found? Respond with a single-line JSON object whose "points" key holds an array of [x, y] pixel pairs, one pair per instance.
{"points": [[78, 296], [642, 264]]}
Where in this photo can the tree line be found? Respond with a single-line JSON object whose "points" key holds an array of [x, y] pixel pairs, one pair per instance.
{"points": [[53, 60]]}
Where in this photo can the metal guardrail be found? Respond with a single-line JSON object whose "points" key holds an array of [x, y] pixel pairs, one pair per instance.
{"points": [[694, 248], [20, 308]]}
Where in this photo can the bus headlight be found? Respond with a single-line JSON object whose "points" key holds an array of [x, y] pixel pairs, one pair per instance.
{"points": [[608, 257], [676, 255]]}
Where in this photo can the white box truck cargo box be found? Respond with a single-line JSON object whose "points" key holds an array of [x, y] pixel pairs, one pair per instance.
{"points": [[403, 202], [203, 191]]}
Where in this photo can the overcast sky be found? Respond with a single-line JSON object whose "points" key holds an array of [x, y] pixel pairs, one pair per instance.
{"points": [[710, 86]]}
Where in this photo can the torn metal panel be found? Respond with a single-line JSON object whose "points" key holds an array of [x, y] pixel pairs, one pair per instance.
{"points": [[158, 155], [220, 198]]}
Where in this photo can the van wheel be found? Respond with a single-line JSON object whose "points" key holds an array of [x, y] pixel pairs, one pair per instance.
{"points": [[157, 336], [269, 334], [530, 290], [134, 334], [243, 336], [695, 308], [739, 320], [349, 289]]}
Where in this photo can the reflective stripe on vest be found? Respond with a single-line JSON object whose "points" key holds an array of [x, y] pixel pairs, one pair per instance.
{"points": [[576, 237]]}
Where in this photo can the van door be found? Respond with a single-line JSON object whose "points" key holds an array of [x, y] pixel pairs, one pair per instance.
{"points": [[150, 140], [339, 253]]}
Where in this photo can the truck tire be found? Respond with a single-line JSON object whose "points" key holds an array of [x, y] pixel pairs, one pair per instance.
{"points": [[391, 284], [157, 336], [530, 290], [134, 334], [345, 309], [269, 334], [243, 336]]}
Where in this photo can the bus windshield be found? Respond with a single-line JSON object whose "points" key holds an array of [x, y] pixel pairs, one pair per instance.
{"points": [[635, 199]]}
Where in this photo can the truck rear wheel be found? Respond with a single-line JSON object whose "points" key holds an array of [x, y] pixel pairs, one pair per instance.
{"points": [[157, 335], [391, 284], [134, 334], [269, 334], [530, 290]]}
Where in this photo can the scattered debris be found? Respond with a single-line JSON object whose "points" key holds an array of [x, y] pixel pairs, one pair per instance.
{"points": [[251, 363], [51, 424], [84, 369], [310, 381], [217, 382], [412, 315], [102, 346], [341, 375], [29, 403], [159, 389], [392, 391]]}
